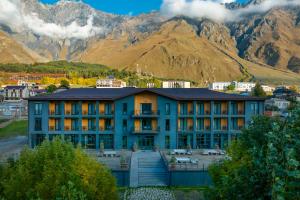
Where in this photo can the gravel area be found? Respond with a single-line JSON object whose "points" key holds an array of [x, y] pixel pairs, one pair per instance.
{"points": [[149, 194]]}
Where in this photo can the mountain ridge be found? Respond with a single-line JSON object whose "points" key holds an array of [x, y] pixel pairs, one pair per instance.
{"points": [[180, 47]]}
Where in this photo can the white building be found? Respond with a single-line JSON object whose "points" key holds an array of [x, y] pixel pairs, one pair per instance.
{"points": [[110, 83], [219, 86], [243, 86], [281, 104], [176, 84], [13, 108], [25, 83], [267, 88], [16, 92]]}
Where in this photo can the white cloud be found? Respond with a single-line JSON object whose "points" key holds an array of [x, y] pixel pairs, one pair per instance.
{"points": [[11, 14], [215, 10]]}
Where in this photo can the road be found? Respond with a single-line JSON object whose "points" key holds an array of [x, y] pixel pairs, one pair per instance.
{"points": [[12, 147]]}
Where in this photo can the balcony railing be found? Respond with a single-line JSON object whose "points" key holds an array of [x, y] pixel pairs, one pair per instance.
{"points": [[53, 128], [145, 131], [203, 128], [106, 113], [191, 112], [187, 129], [110, 128], [54, 112], [146, 113]]}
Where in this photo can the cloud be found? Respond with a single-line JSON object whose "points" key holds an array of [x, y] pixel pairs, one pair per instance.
{"points": [[11, 14], [216, 10]]}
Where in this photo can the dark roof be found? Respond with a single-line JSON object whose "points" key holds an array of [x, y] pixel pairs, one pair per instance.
{"points": [[16, 87], [118, 93]]}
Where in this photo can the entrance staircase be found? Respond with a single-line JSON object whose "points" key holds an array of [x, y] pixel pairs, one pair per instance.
{"points": [[147, 169]]}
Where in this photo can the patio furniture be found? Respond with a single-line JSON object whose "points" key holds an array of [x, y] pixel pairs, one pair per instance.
{"points": [[110, 153], [183, 160], [180, 151]]}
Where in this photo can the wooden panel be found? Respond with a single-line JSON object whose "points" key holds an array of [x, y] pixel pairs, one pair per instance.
{"points": [[206, 122], [241, 107], [224, 107], [101, 123], [241, 122], [190, 107], [137, 124], [85, 108], [179, 125], [190, 123], [52, 107], [207, 107], [224, 122], [68, 107], [145, 98], [154, 124], [68, 123], [101, 107], [51, 122], [179, 108], [84, 124]]}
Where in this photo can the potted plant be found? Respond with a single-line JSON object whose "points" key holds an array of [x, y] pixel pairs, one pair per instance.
{"points": [[173, 162], [135, 147], [101, 148]]}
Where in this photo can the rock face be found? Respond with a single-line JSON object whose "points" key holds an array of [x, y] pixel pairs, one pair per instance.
{"points": [[195, 49]]}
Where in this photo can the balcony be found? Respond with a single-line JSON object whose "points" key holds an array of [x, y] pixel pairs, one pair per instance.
{"points": [[145, 131], [106, 129], [54, 112], [53, 128], [189, 129], [106, 114], [186, 114], [146, 114]]}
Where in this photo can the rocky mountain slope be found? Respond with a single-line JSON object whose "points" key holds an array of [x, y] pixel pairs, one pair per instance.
{"points": [[195, 49]]}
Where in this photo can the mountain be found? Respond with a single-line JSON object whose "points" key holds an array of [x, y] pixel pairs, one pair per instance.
{"points": [[263, 46]]}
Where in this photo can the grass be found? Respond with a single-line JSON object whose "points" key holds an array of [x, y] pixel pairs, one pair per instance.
{"points": [[15, 128]]}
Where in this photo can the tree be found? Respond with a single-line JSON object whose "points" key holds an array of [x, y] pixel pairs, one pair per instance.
{"points": [[231, 87], [258, 91], [263, 164], [64, 83], [294, 89], [55, 170], [51, 88]]}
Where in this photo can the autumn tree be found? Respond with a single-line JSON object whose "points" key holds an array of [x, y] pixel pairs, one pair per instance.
{"points": [[55, 170]]}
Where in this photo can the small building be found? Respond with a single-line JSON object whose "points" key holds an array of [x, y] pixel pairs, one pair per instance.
{"points": [[243, 86], [176, 84], [283, 92], [16, 92], [219, 86], [281, 104], [110, 83], [267, 88]]}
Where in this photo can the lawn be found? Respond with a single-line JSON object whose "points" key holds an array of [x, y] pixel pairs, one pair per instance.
{"points": [[14, 129]]}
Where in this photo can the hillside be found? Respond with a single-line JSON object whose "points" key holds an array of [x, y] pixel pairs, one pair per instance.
{"points": [[260, 46]]}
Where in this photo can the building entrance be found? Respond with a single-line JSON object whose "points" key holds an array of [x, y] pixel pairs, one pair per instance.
{"points": [[146, 142]]}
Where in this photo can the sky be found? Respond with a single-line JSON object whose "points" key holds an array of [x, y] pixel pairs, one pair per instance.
{"points": [[123, 7]]}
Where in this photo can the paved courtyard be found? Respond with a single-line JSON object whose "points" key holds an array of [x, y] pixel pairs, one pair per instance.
{"points": [[12, 147]]}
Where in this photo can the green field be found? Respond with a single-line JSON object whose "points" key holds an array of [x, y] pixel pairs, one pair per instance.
{"points": [[14, 129]]}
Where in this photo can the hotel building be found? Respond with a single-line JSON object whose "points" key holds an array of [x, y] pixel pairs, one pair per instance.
{"points": [[121, 117]]}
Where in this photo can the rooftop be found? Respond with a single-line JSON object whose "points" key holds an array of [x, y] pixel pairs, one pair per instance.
{"points": [[118, 93], [16, 87]]}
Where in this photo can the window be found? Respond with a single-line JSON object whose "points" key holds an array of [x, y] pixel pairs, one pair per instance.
{"points": [[124, 108], [88, 141], [200, 124], [217, 108], [146, 124], [124, 124], [57, 124], [146, 108], [124, 142], [167, 125], [168, 111], [108, 124], [167, 142], [75, 109], [108, 141], [91, 109], [92, 124], [203, 141], [38, 124], [74, 125], [254, 108], [57, 108], [217, 124], [38, 109]]}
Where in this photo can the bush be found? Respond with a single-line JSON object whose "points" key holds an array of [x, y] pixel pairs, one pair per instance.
{"points": [[55, 170]]}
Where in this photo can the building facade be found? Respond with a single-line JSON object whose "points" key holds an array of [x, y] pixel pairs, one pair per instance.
{"points": [[110, 83], [176, 84], [119, 118], [16, 92]]}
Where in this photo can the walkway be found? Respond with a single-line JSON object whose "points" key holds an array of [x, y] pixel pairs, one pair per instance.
{"points": [[147, 169]]}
